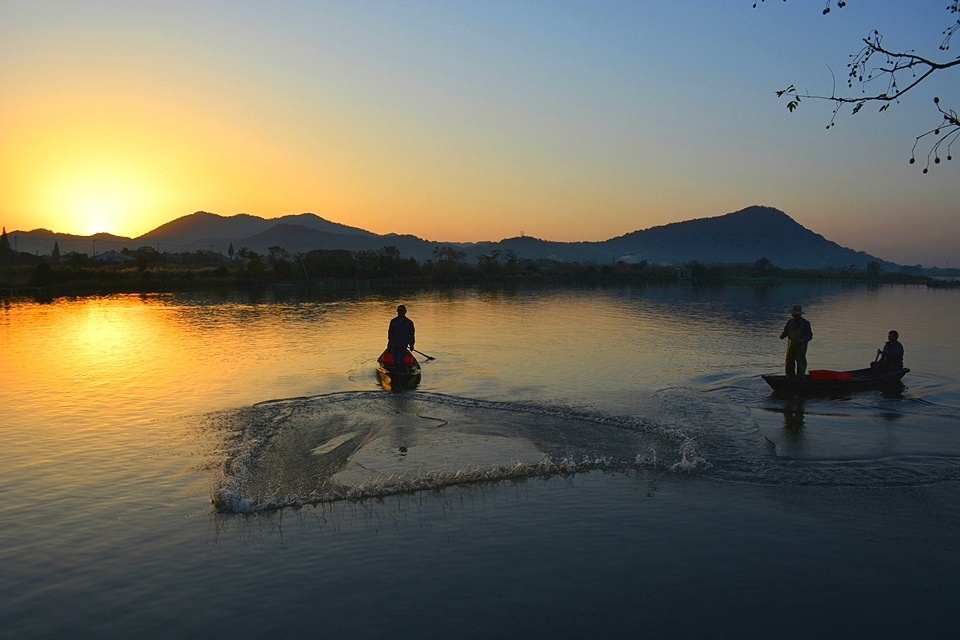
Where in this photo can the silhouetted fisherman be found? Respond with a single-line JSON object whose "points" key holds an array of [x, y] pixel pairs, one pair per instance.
{"points": [[798, 333], [890, 358], [400, 336]]}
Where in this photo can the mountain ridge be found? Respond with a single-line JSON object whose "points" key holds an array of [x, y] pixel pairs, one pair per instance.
{"points": [[739, 237], [202, 226]]}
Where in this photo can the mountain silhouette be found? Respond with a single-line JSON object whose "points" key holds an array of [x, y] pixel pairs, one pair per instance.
{"points": [[741, 237], [203, 230]]}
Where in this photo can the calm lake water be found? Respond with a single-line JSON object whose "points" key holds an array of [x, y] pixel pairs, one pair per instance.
{"points": [[576, 462]]}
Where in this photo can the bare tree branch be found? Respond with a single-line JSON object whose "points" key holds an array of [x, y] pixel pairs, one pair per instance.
{"points": [[875, 63]]}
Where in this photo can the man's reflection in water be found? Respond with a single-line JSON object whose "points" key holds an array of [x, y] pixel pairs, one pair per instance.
{"points": [[793, 418]]}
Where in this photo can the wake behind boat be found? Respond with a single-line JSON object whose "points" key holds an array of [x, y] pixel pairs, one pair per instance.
{"points": [[397, 378], [825, 381]]}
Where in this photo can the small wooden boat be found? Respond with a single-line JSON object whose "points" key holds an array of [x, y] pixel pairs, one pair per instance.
{"points": [[393, 378], [825, 381]]}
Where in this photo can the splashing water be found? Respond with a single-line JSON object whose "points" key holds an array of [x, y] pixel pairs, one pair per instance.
{"points": [[361, 445]]}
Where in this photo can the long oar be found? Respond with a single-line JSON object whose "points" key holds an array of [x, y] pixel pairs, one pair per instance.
{"points": [[424, 355]]}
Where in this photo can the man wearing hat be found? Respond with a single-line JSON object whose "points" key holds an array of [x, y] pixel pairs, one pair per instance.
{"points": [[798, 333]]}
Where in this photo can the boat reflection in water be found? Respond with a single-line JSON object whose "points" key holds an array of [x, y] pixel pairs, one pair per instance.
{"points": [[393, 378]]}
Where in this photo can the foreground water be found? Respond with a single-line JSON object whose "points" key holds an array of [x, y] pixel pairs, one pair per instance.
{"points": [[574, 462]]}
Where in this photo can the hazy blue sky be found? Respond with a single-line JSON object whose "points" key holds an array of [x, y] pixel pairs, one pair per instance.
{"points": [[460, 121]]}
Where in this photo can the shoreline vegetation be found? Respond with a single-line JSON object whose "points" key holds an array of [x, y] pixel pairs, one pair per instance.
{"points": [[148, 271]]}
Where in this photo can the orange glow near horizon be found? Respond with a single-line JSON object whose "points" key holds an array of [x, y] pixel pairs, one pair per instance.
{"points": [[81, 168], [120, 117], [90, 171], [126, 154]]}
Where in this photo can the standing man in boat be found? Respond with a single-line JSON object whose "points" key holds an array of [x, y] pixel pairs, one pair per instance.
{"points": [[891, 356], [400, 336], [798, 333]]}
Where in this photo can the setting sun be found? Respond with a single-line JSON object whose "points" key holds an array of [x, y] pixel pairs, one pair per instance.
{"points": [[97, 203], [81, 171]]}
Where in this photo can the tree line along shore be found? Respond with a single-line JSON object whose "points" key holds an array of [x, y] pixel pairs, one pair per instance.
{"points": [[147, 270]]}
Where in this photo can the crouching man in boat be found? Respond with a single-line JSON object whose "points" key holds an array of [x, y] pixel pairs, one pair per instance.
{"points": [[798, 333], [891, 356], [400, 335]]}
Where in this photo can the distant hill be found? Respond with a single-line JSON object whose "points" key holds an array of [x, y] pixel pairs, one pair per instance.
{"points": [[202, 230], [741, 237]]}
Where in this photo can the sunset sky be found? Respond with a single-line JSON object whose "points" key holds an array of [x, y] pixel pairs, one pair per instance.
{"points": [[465, 121]]}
